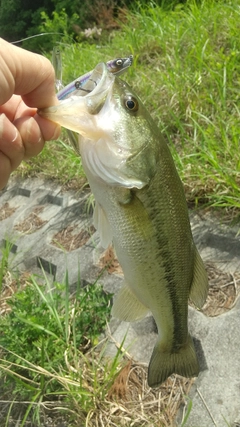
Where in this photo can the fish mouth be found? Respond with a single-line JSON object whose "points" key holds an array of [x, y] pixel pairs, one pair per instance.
{"points": [[75, 113], [98, 82]]}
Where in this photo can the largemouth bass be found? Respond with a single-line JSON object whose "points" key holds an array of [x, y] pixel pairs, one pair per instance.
{"points": [[141, 207]]}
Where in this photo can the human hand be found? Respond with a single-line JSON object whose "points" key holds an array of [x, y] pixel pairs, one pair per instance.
{"points": [[27, 82]]}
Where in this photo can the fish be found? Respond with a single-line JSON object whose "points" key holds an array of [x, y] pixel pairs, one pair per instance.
{"points": [[141, 208]]}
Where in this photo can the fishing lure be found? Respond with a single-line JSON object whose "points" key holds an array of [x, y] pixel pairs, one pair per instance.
{"points": [[76, 87], [82, 84]]}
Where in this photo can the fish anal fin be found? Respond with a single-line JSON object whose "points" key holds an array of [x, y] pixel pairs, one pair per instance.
{"points": [[164, 363], [199, 287], [127, 307], [102, 225]]}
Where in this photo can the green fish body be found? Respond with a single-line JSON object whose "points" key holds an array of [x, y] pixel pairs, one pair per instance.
{"points": [[141, 207]]}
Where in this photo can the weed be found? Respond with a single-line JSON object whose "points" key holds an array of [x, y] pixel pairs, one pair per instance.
{"points": [[187, 413], [5, 251], [186, 70], [44, 339], [187, 73]]}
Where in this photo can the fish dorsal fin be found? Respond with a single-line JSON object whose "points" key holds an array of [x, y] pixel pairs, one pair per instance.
{"points": [[102, 225], [127, 307], [199, 288]]}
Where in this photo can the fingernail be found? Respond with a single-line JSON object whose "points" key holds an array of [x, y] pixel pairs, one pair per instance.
{"points": [[16, 135], [33, 133], [2, 119], [7, 129], [56, 133], [29, 129]]}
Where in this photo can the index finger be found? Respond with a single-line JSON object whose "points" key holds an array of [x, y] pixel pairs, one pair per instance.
{"points": [[27, 74]]}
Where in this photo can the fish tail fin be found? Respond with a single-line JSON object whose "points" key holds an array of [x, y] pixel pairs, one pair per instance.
{"points": [[163, 364]]}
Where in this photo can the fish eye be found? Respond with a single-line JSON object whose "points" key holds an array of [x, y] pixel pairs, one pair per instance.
{"points": [[119, 62], [131, 103]]}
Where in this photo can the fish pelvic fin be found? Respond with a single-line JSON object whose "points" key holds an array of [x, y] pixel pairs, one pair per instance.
{"points": [[102, 225], [164, 363], [199, 287], [127, 307]]}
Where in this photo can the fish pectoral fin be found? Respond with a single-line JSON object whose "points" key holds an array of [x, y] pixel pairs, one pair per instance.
{"points": [[199, 287], [164, 363], [102, 225], [127, 307]]}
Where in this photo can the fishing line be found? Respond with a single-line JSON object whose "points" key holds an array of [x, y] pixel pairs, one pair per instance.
{"points": [[37, 35]]}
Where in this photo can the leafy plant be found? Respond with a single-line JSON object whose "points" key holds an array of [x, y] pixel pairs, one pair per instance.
{"points": [[45, 324], [187, 413], [5, 251]]}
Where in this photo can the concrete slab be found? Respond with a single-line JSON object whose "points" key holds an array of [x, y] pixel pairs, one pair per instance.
{"points": [[216, 393]]}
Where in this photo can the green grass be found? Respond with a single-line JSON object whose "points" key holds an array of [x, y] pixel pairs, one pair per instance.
{"points": [[57, 161], [4, 262], [186, 70], [47, 356]]}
